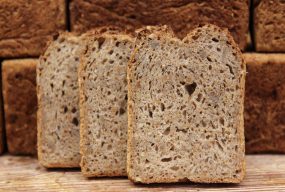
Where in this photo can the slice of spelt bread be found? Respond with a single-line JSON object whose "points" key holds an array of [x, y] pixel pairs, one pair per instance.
{"points": [[103, 104], [58, 100], [185, 107]]}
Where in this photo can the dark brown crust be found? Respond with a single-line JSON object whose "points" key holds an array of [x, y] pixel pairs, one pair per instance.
{"points": [[2, 140], [20, 105], [269, 25], [181, 15], [91, 36], [26, 32], [163, 34], [265, 103]]}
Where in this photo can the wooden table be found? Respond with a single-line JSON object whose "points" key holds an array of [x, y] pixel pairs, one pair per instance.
{"points": [[264, 173]]}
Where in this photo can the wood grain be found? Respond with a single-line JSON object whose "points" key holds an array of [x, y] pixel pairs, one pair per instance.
{"points": [[264, 173]]}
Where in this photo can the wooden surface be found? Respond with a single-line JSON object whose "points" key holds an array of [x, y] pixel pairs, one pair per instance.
{"points": [[264, 173]]}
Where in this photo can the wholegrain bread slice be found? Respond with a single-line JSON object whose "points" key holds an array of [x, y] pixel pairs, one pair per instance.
{"points": [[185, 107], [58, 102], [103, 104]]}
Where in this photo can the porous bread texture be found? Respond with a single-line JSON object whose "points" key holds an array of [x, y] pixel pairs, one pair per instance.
{"points": [[269, 25], [264, 112], [20, 105], [58, 100], [185, 107], [103, 104]]}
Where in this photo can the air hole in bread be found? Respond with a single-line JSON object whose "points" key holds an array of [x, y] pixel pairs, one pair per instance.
{"points": [[215, 39], [75, 121], [209, 59], [111, 52], [156, 148], [199, 97], [73, 110], [190, 88], [230, 68], [111, 61], [210, 67], [122, 111], [65, 109], [166, 131], [184, 113], [101, 41], [150, 114], [203, 123], [194, 37], [162, 107], [166, 159], [179, 93], [222, 121]]}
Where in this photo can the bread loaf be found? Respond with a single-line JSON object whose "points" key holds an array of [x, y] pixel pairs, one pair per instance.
{"points": [[26, 26], [58, 99], [269, 25], [182, 16], [265, 103], [103, 104], [185, 107], [20, 105]]}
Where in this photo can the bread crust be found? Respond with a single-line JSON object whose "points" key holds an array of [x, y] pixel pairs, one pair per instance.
{"points": [[181, 15], [20, 105], [240, 128], [264, 103], [26, 33]]}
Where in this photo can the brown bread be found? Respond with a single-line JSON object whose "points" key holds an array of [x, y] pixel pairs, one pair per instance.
{"points": [[185, 107], [20, 105], [27, 25], [265, 103], [181, 15]]}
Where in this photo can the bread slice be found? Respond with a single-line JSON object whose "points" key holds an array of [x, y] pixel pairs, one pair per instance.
{"points": [[58, 100], [20, 105], [265, 103], [103, 104], [185, 107]]}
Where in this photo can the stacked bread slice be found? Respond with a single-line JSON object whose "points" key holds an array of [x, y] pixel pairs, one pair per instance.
{"points": [[186, 107], [184, 120], [103, 103], [58, 102]]}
